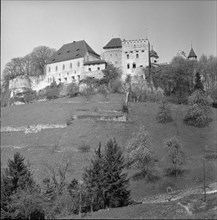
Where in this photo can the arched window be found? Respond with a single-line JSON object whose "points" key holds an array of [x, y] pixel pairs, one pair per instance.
{"points": [[137, 55], [71, 65], [49, 69], [78, 63], [56, 68], [128, 66], [63, 66], [127, 56], [134, 65]]}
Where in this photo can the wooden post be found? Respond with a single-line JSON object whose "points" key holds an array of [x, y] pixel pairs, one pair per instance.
{"points": [[204, 179]]}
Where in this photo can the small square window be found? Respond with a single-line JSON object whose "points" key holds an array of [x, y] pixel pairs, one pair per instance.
{"points": [[89, 69], [68, 51], [98, 68]]}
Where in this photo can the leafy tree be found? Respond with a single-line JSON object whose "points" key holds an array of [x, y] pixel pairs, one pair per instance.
{"points": [[198, 112], [175, 155], [111, 73], [115, 182], [140, 153], [40, 55], [164, 114]]}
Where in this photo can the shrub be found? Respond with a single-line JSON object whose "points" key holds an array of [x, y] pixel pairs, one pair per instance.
{"points": [[176, 157], [84, 148], [198, 112], [72, 90], [125, 108], [87, 92], [116, 86], [69, 120], [164, 114], [29, 96], [52, 93], [164, 183]]}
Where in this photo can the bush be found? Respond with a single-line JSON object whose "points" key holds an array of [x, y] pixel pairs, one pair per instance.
{"points": [[125, 108], [29, 96], [164, 115], [164, 183], [116, 86], [84, 148], [198, 112], [69, 120], [72, 90], [52, 93], [103, 90]]}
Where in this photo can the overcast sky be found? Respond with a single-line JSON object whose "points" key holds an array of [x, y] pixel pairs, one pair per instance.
{"points": [[172, 25]]}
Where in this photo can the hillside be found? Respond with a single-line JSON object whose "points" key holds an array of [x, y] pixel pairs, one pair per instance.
{"points": [[54, 145]]}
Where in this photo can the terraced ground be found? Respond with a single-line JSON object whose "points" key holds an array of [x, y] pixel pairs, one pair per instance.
{"points": [[54, 145]]}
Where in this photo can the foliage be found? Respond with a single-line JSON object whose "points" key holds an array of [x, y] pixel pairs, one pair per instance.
{"points": [[116, 86], [124, 108], [164, 114], [103, 89], [176, 156], [111, 73], [199, 110], [93, 179], [16, 180], [72, 90], [69, 120], [115, 182], [105, 181], [198, 84], [140, 153], [52, 91], [84, 148]]}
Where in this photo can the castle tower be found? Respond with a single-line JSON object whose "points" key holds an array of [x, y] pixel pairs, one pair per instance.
{"points": [[153, 56], [192, 55]]}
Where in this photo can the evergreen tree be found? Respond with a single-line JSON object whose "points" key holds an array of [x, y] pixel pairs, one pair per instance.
{"points": [[198, 83], [115, 182], [17, 175], [93, 178]]}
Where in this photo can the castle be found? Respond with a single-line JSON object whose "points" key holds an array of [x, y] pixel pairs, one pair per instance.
{"points": [[77, 60]]}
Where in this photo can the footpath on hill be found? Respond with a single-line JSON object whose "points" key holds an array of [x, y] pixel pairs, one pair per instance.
{"points": [[178, 194]]}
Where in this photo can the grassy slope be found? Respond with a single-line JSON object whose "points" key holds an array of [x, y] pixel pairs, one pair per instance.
{"points": [[43, 147]]}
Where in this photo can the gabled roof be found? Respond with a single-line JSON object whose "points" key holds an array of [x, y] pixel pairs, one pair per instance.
{"points": [[94, 62], [192, 54], [74, 50], [113, 43]]}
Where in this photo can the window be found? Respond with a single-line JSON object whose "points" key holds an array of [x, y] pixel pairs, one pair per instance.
{"points": [[155, 61], [128, 66], [49, 69], [110, 55], [56, 68], [59, 79], [143, 51], [78, 63], [63, 66], [73, 77], [68, 51], [134, 65], [89, 69], [78, 76], [128, 56], [98, 68], [71, 65], [137, 55]]}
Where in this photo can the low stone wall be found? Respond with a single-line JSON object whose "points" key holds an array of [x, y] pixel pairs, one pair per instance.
{"points": [[32, 128]]}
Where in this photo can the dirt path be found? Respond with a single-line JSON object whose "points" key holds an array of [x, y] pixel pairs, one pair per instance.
{"points": [[176, 195]]}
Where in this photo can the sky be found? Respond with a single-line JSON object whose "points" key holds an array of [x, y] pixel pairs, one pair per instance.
{"points": [[170, 26]]}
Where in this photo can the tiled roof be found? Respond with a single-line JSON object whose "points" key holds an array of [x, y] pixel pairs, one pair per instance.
{"points": [[74, 50], [113, 43], [94, 62], [192, 54]]}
